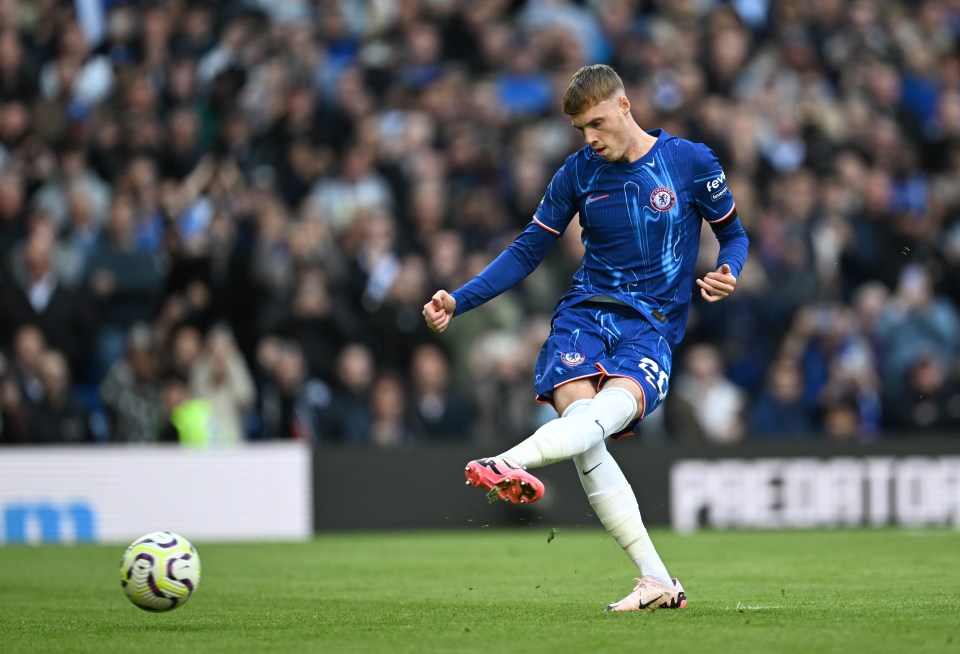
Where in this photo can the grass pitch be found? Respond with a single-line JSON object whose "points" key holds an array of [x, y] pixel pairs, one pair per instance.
{"points": [[516, 591]]}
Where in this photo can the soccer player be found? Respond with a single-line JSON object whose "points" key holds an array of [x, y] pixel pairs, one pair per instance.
{"points": [[606, 364]]}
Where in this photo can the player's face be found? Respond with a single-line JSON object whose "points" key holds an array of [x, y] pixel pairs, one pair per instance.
{"points": [[604, 128]]}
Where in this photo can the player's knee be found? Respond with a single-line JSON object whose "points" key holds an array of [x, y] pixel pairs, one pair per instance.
{"points": [[614, 408], [565, 396], [577, 406], [626, 398], [631, 387]]}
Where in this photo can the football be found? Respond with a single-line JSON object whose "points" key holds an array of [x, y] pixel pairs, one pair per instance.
{"points": [[160, 571]]}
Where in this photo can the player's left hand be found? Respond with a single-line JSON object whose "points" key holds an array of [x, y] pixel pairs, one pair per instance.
{"points": [[717, 285]]}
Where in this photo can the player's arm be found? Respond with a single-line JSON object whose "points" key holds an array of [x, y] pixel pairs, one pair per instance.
{"points": [[722, 282], [716, 205], [503, 273], [518, 260]]}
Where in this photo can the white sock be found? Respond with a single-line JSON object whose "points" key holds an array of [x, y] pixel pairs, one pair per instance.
{"points": [[608, 412], [615, 504]]}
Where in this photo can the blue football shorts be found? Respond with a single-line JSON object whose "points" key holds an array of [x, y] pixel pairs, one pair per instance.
{"points": [[601, 340]]}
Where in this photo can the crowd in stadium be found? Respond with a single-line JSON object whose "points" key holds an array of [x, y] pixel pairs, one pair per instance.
{"points": [[219, 221]]}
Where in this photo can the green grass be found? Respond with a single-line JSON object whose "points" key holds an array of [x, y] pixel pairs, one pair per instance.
{"points": [[503, 591]]}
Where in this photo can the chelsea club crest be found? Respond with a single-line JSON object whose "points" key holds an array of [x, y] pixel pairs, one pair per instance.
{"points": [[572, 358], [662, 198]]}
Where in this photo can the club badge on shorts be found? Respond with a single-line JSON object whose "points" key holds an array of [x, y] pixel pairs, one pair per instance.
{"points": [[572, 358]]}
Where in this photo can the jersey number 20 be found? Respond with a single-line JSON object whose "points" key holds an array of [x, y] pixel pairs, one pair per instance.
{"points": [[655, 376]]}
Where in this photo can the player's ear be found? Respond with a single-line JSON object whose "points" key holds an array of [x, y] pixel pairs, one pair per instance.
{"points": [[624, 104]]}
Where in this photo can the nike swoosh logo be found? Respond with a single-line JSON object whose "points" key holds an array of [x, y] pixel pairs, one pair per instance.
{"points": [[653, 601], [651, 163], [587, 472], [593, 198]]}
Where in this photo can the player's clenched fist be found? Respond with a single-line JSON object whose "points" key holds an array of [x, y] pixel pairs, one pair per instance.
{"points": [[717, 285], [439, 310]]}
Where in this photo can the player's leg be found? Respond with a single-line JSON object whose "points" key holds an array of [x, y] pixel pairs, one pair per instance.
{"points": [[610, 411], [565, 373], [642, 362], [506, 476], [580, 338], [615, 504]]}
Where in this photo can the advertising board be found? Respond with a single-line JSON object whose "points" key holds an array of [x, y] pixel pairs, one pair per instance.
{"points": [[117, 493]]}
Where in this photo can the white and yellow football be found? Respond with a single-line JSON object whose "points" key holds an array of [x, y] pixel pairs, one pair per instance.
{"points": [[160, 571]]}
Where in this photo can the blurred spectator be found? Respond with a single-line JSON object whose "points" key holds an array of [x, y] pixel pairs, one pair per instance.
{"points": [[869, 304], [221, 377], [824, 341], [391, 416], [28, 348], [73, 188], [718, 405], [870, 238], [190, 420], [271, 266], [78, 239], [76, 75], [183, 350], [841, 419], [122, 281], [376, 263], [744, 326], [315, 325], [37, 296], [182, 149], [14, 419], [58, 418], [13, 222], [421, 64], [522, 89], [397, 325], [502, 388], [443, 413], [17, 77], [138, 182], [355, 370], [780, 412], [130, 391], [930, 400], [916, 322], [292, 404], [357, 191]]}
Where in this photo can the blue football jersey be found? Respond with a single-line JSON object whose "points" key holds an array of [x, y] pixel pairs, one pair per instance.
{"points": [[641, 225]]}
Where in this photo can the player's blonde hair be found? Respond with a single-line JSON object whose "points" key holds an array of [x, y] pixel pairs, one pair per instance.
{"points": [[589, 86]]}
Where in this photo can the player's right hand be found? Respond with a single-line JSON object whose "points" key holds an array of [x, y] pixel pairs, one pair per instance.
{"points": [[439, 311]]}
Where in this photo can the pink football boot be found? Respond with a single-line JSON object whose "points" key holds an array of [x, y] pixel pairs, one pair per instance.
{"points": [[511, 482]]}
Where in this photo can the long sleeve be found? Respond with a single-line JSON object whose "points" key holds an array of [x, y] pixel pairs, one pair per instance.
{"points": [[733, 246], [507, 270]]}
